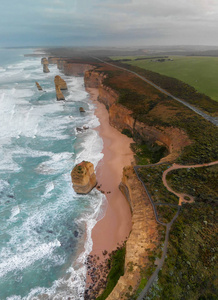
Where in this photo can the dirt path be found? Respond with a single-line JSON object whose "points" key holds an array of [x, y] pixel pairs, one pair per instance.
{"points": [[168, 225], [182, 196]]}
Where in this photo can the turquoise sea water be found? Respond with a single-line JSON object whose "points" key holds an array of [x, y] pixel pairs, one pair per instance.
{"points": [[45, 227]]}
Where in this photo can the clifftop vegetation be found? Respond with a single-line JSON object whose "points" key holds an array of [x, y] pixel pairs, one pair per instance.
{"points": [[156, 109], [189, 270]]}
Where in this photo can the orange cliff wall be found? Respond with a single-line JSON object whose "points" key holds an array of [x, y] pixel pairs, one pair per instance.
{"points": [[121, 118], [74, 69], [70, 68]]}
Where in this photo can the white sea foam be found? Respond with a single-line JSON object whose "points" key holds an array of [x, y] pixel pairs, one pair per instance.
{"points": [[3, 185], [91, 148], [7, 164], [90, 221], [29, 119], [55, 164], [73, 286], [24, 259], [14, 297], [14, 212], [49, 187]]}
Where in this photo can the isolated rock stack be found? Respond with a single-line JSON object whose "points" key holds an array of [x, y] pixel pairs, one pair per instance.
{"points": [[45, 64], [60, 84], [38, 86], [81, 109], [83, 177]]}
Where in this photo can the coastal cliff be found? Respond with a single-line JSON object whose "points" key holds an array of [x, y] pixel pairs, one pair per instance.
{"points": [[83, 177], [70, 68], [122, 118], [143, 237]]}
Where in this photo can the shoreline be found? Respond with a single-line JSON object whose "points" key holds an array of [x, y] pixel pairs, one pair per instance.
{"points": [[114, 228]]}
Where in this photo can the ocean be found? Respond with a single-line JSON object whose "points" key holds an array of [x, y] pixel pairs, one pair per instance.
{"points": [[45, 227]]}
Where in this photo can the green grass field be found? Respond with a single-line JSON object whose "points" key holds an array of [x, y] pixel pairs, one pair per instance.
{"points": [[199, 72]]}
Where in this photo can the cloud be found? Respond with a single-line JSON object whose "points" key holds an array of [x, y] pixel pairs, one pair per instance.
{"points": [[121, 21]]}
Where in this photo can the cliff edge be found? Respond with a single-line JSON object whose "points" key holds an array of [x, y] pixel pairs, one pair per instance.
{"points": [[144, 236], [122, 118]]}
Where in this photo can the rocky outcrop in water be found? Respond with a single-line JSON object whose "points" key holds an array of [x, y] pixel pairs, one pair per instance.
{"points": [[81, 109], [59, 94], [44, 60], [38, 86], [83, 177], [45, 64], [60, 84]]}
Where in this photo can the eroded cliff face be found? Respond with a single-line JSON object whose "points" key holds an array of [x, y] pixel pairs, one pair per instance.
{"points": [[144, 235], [74, 69], [53, 60], [68, 67], [93, 79], [121, 118], [83, 177]]}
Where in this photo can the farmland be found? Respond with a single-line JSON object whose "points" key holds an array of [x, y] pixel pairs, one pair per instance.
{"points": [[199, 72]]}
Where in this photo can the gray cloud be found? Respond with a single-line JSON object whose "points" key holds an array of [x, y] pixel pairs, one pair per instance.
{"points": [[104, 22]]}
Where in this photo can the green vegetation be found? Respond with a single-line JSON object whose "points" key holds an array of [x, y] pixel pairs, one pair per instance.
{"points": [[146, 153], [199, 72], [127, 132], [156, 109], [116, 265], [189, 271], [178, 88], [204, 136], [198, 182], [137, 57], [152, 177], [166, 213]]}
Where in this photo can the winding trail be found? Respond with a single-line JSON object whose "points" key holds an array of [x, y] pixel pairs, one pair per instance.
{"points": [[168, 225], [182, 196], [213, 120]]}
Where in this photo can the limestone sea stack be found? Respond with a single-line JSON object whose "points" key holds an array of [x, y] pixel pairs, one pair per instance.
{"points": [[81, 109], [43, 60], [38, 86], [83, 177], [45, 64], [59, 94], [60, 84]]}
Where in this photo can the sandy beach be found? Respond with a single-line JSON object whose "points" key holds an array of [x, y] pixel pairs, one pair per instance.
{"points": [[115, 227]]}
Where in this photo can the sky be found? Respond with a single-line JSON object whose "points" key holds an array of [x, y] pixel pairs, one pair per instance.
{"points": [[111, 23]]}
